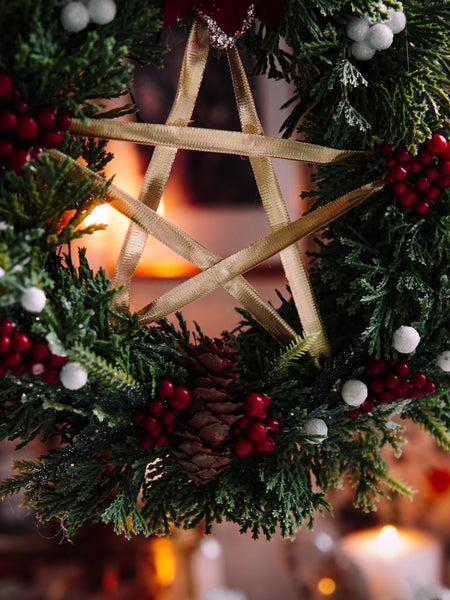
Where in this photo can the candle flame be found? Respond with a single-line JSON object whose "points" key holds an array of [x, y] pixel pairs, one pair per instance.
{"points": [[388, 542]]}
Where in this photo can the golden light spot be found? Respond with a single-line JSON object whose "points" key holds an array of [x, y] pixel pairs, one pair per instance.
{"points": [[326, 586]]}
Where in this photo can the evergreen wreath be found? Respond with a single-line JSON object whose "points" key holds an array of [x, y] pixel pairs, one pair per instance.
{"points": [[153, 425]]}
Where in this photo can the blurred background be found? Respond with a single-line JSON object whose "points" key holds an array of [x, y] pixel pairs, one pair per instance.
{"points": [[215, 200]]}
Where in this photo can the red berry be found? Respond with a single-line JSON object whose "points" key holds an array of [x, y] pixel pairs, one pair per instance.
{"points": [[5, 148], [386, 148], [20, 342], [266, 446], [19, 370], [12, 359], [377, 385], [418, 380], [391, 381], [168, 416], [390, 162], [436, 144], [398, 173], [36, 368], [402, 155], [256, 431], [39, 351], [414, 165], [425, 157], [8, 120], [272, 424], [55, 361], [399, 188], [422, 184], [421, 207], [352, 413], [389, 179], [432, 173], [262, 416], [432, 193], [17, 160], [5, 343], [152, 425], [254, 404], [386, 397], [146, 441], [162, 439], [267, 400], [138, 417], [446, 154], [402, 369], [242, 422], [407, 199], [47, 117], [64, 122], [242, 447], [428, 388], [180, 399], [376, 366], [27, 128], [444, 182], [444, 169], [404, 384], [169, 427], [52, 138], [165, 388], [6, 86], [50, 375], [22, 107], [367, 405], [155, 407]]}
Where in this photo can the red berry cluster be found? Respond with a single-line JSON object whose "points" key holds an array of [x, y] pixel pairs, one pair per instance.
{"points": [[389, 380], [157, 421], [19, 355], [417, 180], [24, 135], [252, 432]]}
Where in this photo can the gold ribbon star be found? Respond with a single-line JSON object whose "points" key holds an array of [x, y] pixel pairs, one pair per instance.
{"points": [[251, 142]]}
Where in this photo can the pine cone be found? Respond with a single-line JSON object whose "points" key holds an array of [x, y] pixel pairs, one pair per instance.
{"points": [[202, 437]]}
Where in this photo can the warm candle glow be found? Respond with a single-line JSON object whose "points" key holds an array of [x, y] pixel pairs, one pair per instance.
{"points": [[98, 216], [326, 586], [388, 542], [164, 561]]}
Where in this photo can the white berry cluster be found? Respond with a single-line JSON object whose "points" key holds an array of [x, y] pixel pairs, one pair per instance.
{"points": [[369, 37], [77, 14]]}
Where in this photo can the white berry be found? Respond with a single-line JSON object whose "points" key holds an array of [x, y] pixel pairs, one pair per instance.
{"points": [[73, 376], [101, 11], [354, 392], [317, 428], [33, 299], [362, 50], [379, 36], [443, 361], [74, 16], [2, 272], [357, 28], [396, 21], [405, 339]]}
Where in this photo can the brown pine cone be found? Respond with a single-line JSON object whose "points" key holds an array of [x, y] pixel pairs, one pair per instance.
{"points": [[203, 436]]}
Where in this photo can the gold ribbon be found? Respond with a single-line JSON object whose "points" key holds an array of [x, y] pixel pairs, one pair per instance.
{"points": [[158, 170], [245, 259], [210, 140], [169, 234], [176, 134], [277, 213]]}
